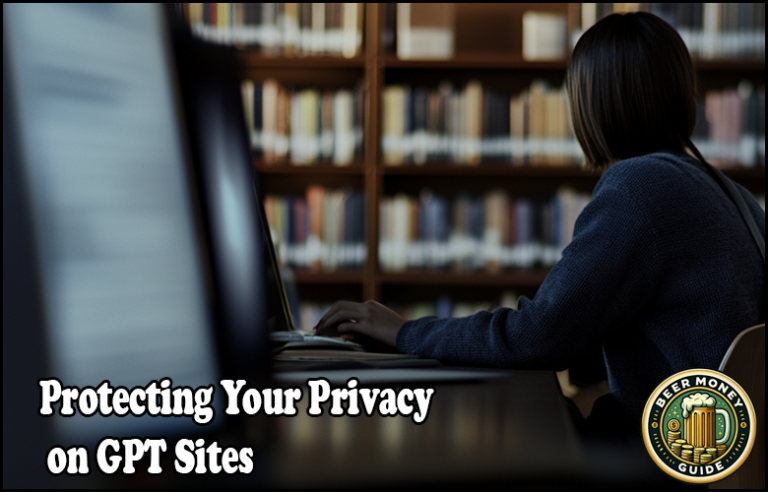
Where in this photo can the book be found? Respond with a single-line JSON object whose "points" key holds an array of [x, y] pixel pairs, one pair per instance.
{"points": [[389, 28], [393, 127], [351, 29], [425, 31], [544, 36]]}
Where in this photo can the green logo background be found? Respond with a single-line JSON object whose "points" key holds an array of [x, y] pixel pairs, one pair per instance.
{"points": [[674, 411]]}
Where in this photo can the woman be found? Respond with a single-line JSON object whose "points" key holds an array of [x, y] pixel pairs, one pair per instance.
{"points": [[662, 271]]}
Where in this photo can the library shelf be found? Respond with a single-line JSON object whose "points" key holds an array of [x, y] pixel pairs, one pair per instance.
{"points": [[302, 276], [503, 278], [517, 62], [488, 170], [528, 171], [745, 66], [757, 172], [477, 60], [309, 170], [249, 58]]}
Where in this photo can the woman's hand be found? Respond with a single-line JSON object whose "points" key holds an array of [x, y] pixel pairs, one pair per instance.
{"points": [[368, 318]]}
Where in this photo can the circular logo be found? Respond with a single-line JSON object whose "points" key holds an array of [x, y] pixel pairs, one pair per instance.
{"points": [[699, 426]]}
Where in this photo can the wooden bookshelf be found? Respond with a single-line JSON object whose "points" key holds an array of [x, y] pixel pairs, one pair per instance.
{"points": [[249, 59], [505, 279], [514, 62], [332, 277], [501, 64], [742, 67], [480, 60], [314, 170], [497, 171]]}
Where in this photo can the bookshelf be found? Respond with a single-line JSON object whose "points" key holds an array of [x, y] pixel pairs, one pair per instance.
{"points": [[488, 48]]}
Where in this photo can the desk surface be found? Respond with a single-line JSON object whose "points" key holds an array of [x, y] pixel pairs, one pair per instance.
{"points": [[512, 427]]}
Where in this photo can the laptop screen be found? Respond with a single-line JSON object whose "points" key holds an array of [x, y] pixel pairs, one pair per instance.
{"points": [[225, 179]]}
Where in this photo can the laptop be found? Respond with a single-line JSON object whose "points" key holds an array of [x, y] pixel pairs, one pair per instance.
{"points": [[283, 333], [210, 86]]}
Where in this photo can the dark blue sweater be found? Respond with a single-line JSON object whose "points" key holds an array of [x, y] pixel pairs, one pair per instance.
{"points": [[662, 271]]}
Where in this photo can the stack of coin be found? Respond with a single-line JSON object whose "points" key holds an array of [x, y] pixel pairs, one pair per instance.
{"points": [[681, 441], [676, 448], [705, 458], [686, 452], [697, 452], [672, 436], [712, 452], [720, 449]]}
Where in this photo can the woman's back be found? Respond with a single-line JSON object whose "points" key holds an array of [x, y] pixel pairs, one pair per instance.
{"points": [[662, 271], [708, 275]]}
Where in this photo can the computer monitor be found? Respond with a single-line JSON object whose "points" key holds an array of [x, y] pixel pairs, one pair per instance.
{"points": [[131, 248]]}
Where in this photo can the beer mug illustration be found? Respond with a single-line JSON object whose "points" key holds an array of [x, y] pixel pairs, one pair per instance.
{"points": [[699, 428]]}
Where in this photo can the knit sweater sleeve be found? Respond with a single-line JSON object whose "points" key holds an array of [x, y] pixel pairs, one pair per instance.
{"points": [[603, 281]]}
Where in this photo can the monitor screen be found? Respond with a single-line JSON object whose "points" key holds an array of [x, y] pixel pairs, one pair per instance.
{"points": [[100, 150]]}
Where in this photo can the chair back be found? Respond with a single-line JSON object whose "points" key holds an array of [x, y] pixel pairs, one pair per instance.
{"points": [[745, 362]]}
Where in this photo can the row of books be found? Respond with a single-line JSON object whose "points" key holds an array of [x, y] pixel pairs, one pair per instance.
{"points": [[710, 30], [468, 232], [474, 124], [730, 130], [289, 29], [306, 126], [325, 229]]}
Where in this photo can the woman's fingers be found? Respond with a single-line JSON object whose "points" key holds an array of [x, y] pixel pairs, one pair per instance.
{"points": [[336, 318], [368, 318], [339, 312], [352, 328]]}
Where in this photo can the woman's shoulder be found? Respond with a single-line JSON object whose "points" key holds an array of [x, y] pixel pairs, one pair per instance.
{"points": [[659, 166], [654, 175]]}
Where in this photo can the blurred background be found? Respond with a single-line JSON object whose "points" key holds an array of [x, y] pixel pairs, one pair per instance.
{"points": [[420, 154]]}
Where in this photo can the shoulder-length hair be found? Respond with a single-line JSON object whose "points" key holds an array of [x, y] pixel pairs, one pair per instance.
{"points": [[632, 90]]}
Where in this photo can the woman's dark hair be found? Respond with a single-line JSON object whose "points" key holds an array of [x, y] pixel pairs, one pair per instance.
{"points": [[632, 89]]}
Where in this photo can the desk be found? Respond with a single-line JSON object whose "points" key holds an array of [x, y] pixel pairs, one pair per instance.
{"points": [[513, 425]]}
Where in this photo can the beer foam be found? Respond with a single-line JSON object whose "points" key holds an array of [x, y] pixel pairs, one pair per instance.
{"points": [[697, 400]]}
